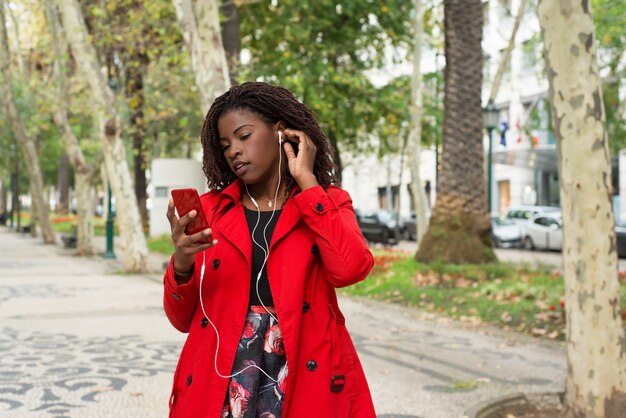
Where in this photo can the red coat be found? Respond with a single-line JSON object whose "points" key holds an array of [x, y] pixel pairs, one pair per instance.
{"points": [[316, 247]]}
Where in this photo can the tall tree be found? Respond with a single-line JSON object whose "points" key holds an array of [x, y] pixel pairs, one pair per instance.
{"points": [[84, 174], [199, 22], [415, 136], [130, 49], [596, 381], [40, 203], [109, 128], [460, 226]]}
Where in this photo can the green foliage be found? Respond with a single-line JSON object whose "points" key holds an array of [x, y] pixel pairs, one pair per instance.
{"points": [[520, 297], [145, 39], [609, 17], [162, 244], [321, 51]]}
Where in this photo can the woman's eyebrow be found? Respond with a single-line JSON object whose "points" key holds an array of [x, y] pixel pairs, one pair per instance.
{"points": [[235, 131], [242, 126]]}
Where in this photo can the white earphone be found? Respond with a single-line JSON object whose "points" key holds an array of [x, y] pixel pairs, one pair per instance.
{"points": [[266, 252]]}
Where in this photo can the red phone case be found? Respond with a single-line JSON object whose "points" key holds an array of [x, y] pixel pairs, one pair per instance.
{"points": [[185, 201]]}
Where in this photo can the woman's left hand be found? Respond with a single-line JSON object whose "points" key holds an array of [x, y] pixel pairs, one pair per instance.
{"points": [[301, 165]]}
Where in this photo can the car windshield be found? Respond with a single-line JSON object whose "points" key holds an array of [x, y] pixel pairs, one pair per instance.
{"points": [[503, 221]]}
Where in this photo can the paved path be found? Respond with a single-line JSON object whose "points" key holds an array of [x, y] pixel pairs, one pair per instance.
{"points": [[78, 339]]}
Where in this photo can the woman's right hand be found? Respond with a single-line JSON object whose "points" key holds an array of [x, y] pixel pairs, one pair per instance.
{"points": [[186, 246]]}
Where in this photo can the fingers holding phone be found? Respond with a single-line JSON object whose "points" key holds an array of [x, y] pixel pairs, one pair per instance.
{"points": [[190, 233]]}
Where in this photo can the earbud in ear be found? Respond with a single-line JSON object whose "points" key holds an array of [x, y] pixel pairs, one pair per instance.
{"points": [[280, 137]]}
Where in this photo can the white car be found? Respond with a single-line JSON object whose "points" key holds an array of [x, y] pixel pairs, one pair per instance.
{"points": [[544, 231], [505, 233], [522, 214]]}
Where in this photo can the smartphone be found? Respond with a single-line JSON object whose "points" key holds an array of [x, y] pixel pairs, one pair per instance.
{"points": [[186, 200]]}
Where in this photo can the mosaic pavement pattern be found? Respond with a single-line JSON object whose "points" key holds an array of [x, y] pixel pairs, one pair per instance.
{"points": [[53, 374]]}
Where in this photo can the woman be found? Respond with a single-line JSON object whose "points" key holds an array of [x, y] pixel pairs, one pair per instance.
{"points": [[266, 337]]}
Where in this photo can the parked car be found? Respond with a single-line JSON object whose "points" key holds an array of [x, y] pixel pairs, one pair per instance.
{"points": [[620, 231], [522, 214], [409, 225], [544, 231], [505, 232], [379, 226]]}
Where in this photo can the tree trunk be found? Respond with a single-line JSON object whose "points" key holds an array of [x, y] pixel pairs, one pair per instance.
{"points": [[199, 22], [415, 135], [84, 225], [596, 381], [108, 124], [231, 35], [506, 57], [63, 186], [134, 89], [460, 227], [32, 224], [26, 143], [4, 203], [84, 175]]}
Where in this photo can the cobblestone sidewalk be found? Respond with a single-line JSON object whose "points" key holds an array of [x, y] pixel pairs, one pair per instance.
{"points": [[79, 339]]}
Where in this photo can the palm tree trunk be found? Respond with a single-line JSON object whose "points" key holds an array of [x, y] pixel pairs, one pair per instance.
{"points": [[460, 227]]}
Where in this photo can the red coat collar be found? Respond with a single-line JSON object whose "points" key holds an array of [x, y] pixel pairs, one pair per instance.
{"points": [[230, 221]]}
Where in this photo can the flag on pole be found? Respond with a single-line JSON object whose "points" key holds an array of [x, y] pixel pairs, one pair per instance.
{"points": [[504, 126]]}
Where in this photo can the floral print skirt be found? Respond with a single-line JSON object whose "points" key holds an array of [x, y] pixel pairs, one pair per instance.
{"points": [[252, 394]]}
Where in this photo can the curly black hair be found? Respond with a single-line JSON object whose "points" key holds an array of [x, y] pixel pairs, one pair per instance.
{"points": [[271, 104]]}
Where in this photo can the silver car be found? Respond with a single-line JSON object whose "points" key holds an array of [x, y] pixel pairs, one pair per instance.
{"points": [[544, 231], [505, 233]]}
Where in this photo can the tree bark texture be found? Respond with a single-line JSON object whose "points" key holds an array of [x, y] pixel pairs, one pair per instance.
{"points": [[108, 124], [596, 381], [199, 22], [63, 186], [4, 196], [134, 89], [415, 135], [460, 225], [84, 175], [26, 143]]}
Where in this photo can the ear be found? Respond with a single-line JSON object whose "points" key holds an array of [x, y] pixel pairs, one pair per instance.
{"points": [[280, 126]]}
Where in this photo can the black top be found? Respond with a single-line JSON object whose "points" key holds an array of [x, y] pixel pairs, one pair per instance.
{"points": [[258, 255]]}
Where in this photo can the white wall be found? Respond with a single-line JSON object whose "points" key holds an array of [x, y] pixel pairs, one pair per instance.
{"points": [[168, 174]]}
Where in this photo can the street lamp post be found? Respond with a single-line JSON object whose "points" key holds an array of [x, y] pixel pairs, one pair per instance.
{"points": [[110, 253], [109, 225], [437, 54], [490, 121]]}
